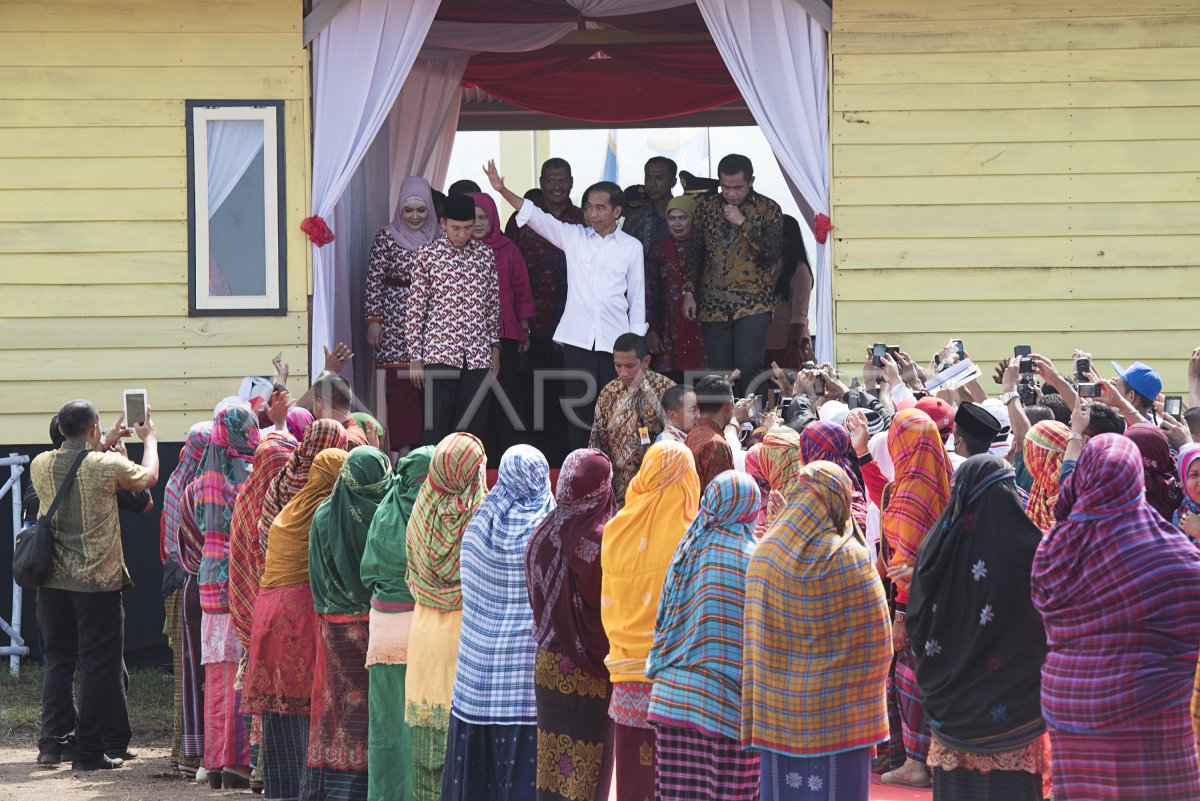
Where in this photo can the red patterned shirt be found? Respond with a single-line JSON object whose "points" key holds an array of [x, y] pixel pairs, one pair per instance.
{"points": [[712, 453], [547, 266], [453, 313], [386, 296]]}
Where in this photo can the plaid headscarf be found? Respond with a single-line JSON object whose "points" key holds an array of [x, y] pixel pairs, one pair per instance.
{"points": [[823, 441], [1119, 591], [338, 534], [448, 499], [637, 549], [224, 467], [813, 580], [493, 680], [181, 477], [385, 561], [245, 547], [1045, 445], [920, 490], [781, 460], [319, 436], [696, 660], [562, 562], [754, 468]]}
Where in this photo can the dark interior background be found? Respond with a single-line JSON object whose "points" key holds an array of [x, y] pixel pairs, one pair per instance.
{"points": [[145, 644]]}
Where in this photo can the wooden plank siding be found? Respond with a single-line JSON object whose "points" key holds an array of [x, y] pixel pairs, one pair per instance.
{"points": [[1018, 171], [93, 203]]}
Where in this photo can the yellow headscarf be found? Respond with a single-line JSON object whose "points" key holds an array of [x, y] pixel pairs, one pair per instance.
{"points": [[637, 549], [685, 203], [287, 544]]}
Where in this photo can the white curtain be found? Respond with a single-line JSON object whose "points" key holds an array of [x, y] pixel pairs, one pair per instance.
{"points": [[776, 54], [360, 62], [424, 119], [232, 147]]}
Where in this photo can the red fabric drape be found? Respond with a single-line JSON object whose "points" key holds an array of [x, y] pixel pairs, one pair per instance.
{"points": [[632, 83], [684, 19]]}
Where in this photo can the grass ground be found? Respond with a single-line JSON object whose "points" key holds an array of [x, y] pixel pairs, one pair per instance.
{"points": [[150, 695]]}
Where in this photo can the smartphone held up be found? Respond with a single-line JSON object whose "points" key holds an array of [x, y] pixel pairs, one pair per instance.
{"points": [[135, 405]]}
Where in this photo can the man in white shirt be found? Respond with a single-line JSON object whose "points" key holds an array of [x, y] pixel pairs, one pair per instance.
{"points": [[605, 289]]}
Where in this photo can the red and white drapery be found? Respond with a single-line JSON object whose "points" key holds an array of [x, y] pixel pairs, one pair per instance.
{"points": [[391, 64]]}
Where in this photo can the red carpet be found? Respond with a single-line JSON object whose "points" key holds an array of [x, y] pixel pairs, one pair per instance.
{"points": [[885, 792]]}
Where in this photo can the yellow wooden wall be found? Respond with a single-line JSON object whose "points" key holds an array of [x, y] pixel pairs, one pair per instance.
{"points": [[1018, 171], [93, 206]]}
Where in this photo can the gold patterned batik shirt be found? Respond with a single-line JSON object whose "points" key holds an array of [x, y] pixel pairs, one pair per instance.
{"points": [[620, 415], [729, 267], [87, 531]]}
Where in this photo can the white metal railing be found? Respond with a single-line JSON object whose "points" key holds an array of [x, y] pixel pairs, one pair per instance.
{"points": [[16, 647]]}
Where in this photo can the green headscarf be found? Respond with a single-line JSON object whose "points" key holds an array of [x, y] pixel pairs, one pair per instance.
{"points": [[339, 533], [368, 423], [385, 561]]}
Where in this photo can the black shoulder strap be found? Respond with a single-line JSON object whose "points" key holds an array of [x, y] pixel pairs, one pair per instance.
{"points": [[66, 485]]}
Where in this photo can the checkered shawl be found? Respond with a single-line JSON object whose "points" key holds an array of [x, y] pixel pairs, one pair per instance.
{"points": [[493, 681], [920, 491], [453, 490], [224, 467], [183, 475], [822, 440], [696, 659], [1119, 591], [320, 435], [1045, 445], [245, 548], [817, 640]]}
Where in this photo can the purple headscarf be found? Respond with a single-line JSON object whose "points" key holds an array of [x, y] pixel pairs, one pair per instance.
{"points": [[413, 188]]}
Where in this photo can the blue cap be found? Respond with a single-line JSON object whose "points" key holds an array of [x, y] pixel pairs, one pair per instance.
{"points": [[1141, 378]]}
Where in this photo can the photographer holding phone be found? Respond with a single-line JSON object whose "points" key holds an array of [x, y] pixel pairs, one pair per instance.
{"points": [[80, 611]]}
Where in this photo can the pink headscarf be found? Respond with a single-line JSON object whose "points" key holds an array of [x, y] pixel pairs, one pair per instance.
{"points": [[494, 239], [413, 188]]}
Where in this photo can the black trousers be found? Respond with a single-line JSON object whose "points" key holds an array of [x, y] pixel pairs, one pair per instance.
{"points": [[453, 402], [510, 415], [88, 629], [547, 422], [599, 365], [740, 344]]}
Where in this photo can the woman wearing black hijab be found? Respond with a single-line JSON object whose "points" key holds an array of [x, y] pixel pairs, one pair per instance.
{"points": [[979, 641]]}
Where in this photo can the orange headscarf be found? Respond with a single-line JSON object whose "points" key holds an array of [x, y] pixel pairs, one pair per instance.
{"points": [[637, 549], [286, 561], [1045, 445], [920, 491]]}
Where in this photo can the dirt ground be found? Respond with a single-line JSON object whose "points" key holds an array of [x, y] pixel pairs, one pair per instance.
{"points": [[147, 778]]}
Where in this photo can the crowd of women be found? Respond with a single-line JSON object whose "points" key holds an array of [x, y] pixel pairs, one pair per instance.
{"points": [[354, 629]]}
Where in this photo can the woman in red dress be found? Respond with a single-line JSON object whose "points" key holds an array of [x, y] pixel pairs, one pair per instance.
{"points": [[675, 341]]}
